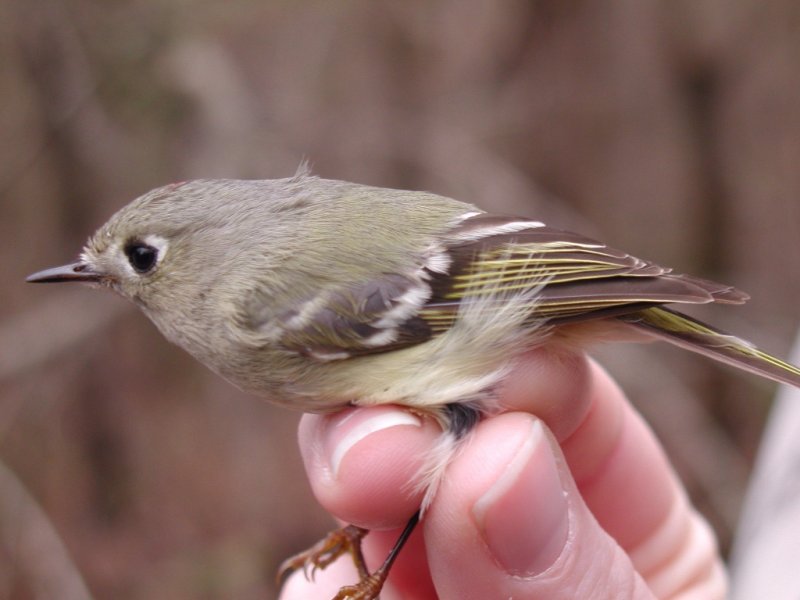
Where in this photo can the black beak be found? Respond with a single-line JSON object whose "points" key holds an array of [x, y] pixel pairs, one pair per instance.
{"points": [[78, 271]]}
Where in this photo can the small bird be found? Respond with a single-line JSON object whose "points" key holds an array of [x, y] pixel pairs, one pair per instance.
{"points": [[321, 294]]}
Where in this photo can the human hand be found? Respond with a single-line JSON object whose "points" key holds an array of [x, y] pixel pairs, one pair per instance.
{"points": [[577, 502]]}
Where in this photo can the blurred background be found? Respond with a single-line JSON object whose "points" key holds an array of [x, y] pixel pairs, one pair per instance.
{"points": [[667, 128]]}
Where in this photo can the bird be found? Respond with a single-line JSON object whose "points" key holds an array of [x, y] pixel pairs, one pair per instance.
{"points": [[320, 294]]}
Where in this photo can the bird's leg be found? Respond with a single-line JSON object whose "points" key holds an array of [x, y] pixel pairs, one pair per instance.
{"points": [[348, 540], [369, 587]]}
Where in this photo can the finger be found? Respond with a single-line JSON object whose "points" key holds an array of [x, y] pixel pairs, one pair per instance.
{"points": [[508, 521], [362, 462], [552, 385], [628, 484]]}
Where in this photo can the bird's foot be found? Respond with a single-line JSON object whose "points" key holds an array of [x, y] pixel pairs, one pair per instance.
{"points": [[346, 540]]}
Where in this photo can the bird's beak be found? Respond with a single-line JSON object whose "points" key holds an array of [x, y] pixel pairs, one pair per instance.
{"points": [[78, 271]]}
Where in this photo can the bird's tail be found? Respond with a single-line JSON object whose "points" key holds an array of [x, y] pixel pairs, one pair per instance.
{"points": [[689, 333]]}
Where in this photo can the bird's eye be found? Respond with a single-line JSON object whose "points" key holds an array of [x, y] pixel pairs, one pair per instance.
{"points": [[142, 257]]}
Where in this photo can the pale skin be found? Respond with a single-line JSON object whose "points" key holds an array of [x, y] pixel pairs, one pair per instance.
{"points": [[578, 501]]}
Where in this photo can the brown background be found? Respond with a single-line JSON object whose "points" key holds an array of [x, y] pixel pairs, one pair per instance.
{"points": [[670, 129]]}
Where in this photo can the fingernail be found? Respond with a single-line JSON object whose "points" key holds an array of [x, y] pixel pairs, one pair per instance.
{"points": [[353, 426], [523, 516]]}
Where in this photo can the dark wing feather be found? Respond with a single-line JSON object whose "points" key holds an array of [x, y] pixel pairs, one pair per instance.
{"points": [[582, 278], [355, 321], [488, 257]]}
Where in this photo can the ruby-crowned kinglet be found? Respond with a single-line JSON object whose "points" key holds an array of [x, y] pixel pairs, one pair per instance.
{"points": [[320, 294]]}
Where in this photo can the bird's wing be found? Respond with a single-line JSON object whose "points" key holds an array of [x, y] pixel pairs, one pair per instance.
{"points": [[376, 316], [488, 258], [580, 278]]}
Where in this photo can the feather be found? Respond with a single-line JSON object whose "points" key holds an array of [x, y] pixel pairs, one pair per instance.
{"points": [[694, 335]]}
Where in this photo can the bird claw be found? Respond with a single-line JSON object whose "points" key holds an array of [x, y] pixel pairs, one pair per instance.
{"points": [[346, 540], [367, 588]]}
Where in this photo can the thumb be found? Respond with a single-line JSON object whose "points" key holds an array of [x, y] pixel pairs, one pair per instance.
{"points": [[508, 522]]}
